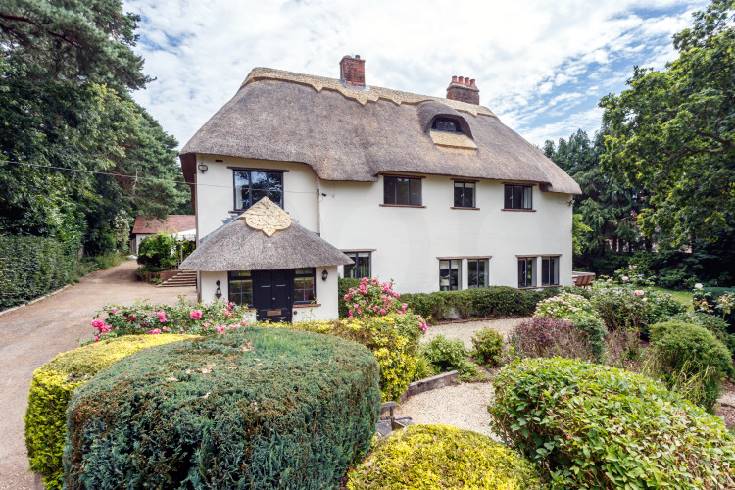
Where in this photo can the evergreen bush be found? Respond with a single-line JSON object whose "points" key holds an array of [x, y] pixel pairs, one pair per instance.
{"points": [[51, 390], [487, 347], [427, 457], [253, 408], [158, 252], [594, 426]]}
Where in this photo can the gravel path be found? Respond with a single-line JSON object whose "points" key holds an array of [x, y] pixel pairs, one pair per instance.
{"points": [[463, 405], [464, 330], [31, 336]]}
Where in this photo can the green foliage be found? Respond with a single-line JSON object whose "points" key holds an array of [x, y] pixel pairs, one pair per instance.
{"points": [[393, 340], [446, 355], [51, 390], [489, 302], [714, 324], [343, 285], [672, 134], [256, 408], [33, 266], [581, 232], [579, 311], [487, 347], [428, 457], [593, 426], [680, 349], [549, 337], [158, 252]]}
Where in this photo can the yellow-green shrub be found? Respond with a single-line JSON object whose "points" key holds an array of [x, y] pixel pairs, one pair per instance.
{"points": [[51, 389], [442, 456], [393, 339]]}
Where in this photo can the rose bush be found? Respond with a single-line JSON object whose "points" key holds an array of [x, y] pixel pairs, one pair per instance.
{"points": [[183, 317], [373, 298]]}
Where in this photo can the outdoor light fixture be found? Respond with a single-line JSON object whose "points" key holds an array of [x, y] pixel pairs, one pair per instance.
{"points": [[324, 274], [203, 167], [218, 293]]}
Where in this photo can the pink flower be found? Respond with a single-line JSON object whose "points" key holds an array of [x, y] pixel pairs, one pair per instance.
{"points": [[220, 329], [638, 293], [227, 313], [349, 314], [162, 316], [196, 314], [154, 331], [97, 338], [404, 307], [423, 326], [98, 323], [383, 312], [166, 329], [114, 311]]}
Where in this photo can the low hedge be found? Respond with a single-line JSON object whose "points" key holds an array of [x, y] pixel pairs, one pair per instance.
{"points": [[51, 390], [489, 302], [594, 426], [252, 408], [31, 266], [442, 456]]}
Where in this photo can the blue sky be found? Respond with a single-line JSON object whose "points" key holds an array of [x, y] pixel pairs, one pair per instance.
{"points": [[541, 66]]}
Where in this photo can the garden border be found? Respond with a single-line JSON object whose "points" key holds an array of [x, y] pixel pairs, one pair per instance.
{"points": [[36, 300]]}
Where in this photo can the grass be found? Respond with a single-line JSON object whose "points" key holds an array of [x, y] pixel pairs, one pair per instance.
{"points": [[683, 297], [89, 264]]}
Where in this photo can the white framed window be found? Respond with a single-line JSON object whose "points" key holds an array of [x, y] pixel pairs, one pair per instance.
{"points": [[550, 270], [526, 272], [450, 274]]}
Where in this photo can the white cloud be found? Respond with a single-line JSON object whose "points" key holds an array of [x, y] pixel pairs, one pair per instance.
{"points": [[521, 52]]}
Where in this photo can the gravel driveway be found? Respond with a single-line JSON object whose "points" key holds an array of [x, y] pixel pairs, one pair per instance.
{"points": [[31, 336], [464, 330]]}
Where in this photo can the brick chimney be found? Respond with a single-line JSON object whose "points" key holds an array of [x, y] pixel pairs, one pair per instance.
{"points": [[464, 90], [352, 70]]}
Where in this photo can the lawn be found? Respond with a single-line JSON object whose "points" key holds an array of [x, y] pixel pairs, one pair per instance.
{"points": [[683, 297]]}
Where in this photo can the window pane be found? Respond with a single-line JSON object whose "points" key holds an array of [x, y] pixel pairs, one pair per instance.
{"points": [[517, 197], [444, 282], [240, 288], [458, 194], [472, 274], [402, 191], [242, 190], [482, 273], [508, 197], [469, 195], [527, 190], [389, 190], [304, 286]]}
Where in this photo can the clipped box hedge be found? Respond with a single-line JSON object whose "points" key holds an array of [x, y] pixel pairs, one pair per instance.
{"points": [[51, 390], [593, 426], [442, 456], [253, 408]]}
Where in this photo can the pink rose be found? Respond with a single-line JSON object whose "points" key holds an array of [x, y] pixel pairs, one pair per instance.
{"points": [[227, 313], [162, 316], [638, 293], [196, 314], [97, 338], [98, 323], [383, 312], [154, 331], [423, 326], [220, 329]]}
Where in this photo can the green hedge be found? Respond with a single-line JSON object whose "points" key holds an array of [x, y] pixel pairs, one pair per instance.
{"points": [[254, 408], [489, 302], [441, 456], [31, 266], [51, 390], [343, 284], [594, 426]]}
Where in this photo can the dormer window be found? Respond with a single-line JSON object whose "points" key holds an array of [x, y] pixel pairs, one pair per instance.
{"points": [[446, 124]]}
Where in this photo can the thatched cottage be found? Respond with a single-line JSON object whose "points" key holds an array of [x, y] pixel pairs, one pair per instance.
{"points": [[434, 193]]}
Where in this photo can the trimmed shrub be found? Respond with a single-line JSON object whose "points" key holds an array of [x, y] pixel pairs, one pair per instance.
{"points": [[685, 350], [593, 426], [442, 456], [549, 337], [254, 408], [446, 355], [33, 266], [487, 347], [714, 324], [621, 308], [51, 390], [581, 313], [343, 285], [393, 340], [489, 302]]}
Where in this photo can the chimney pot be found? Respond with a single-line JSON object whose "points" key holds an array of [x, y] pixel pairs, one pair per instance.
{"points": [[352, 70], [463, 89]]}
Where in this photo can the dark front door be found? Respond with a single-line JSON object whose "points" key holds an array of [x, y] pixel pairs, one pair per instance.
{"points": [[273, 294]]}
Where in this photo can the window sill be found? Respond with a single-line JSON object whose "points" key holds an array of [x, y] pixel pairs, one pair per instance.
{"points": [[464, 208], [306, 305], [519, 210], [402, 206]]}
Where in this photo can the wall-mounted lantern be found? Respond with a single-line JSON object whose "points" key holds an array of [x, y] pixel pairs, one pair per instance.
{"points": [[325, 274], [218, 293], [203, 167]]}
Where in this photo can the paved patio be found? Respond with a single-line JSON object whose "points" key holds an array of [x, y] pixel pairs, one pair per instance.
{"points": [[31, 336]]}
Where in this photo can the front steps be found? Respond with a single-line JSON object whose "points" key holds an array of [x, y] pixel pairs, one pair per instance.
{"points": [[180, 279]]}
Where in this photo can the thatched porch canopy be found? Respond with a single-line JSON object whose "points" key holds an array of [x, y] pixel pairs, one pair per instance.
{"points": [[262, 238]]}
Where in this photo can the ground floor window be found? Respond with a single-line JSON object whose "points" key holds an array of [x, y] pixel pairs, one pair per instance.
{"points": [[240, 287], [450, 274], [304, 286], [526, 272], [477, 273], [550, 271], [361, 267]]}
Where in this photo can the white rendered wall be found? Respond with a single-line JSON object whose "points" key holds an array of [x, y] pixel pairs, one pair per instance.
{"points": [[407, 242]]}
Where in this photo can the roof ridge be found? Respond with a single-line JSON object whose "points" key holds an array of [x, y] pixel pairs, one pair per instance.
{"points": [[362, 95]]}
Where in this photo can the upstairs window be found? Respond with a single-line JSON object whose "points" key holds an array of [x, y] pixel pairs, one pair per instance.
{"points": [[304, 286], [477, 273], [518, 196], [401, 190], [450, 275], [550, 271], [464, 194], [253, 185], [446, 124], [527, 272], [361, 266]]}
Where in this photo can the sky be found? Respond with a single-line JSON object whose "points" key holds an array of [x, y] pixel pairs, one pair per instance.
{"points": [[541, 66]]}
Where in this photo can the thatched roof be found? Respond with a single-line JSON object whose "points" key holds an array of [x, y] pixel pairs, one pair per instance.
{"points": [[352, 133], [263, 237]]}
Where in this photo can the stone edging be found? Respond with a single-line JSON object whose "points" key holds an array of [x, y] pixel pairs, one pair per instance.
{"points": [[45, 296]]}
